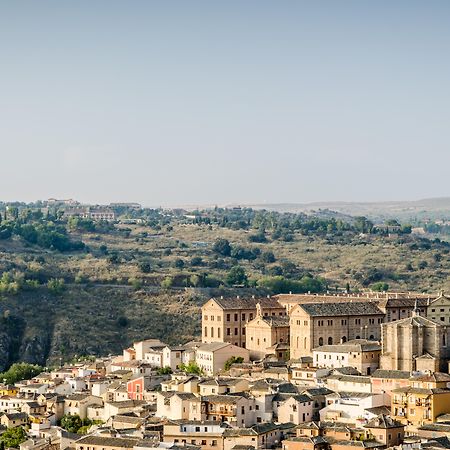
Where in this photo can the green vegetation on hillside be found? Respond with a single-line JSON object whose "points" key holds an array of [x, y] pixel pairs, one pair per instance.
{"points": [[68, 286], [20, 371]]}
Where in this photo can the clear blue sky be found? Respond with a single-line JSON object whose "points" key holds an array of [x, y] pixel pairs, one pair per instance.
{"points": [[175, 102]]}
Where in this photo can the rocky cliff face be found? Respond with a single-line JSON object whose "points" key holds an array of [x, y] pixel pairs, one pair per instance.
{"points": [[40, 328], [11, 334], [5, 343]]}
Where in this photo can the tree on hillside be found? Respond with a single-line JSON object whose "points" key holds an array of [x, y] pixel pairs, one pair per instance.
{"points": [[222, 246], [236, 275], [20, 371]]}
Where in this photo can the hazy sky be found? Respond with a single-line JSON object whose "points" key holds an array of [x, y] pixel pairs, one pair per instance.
{"points": [[176, 102]]}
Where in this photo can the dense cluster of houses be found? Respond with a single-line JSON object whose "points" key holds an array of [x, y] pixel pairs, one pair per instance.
{"points": [[313, 373]]}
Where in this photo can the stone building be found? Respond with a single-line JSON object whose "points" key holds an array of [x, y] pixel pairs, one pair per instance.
{"points": [[316, 324], [361, 354], [414, 343], [224, 319], [211, 357], [386, 430], [267, 335], [396, 305], [439, 309]]}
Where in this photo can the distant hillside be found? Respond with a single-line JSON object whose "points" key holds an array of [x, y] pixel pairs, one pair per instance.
{"points": [[39, 327], [71, 287], [433, 208]]}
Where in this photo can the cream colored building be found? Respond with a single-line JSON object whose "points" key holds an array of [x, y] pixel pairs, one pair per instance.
{"points": [[224, 319], [77, 404], [93, 442], [211, 358], [207, 435], [361, 354], [178, 406], [313, 325], [439, 310], [267, 335], [296, 409], [259, 436]]}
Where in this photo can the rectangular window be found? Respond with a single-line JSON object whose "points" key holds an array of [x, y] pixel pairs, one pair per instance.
{"points": [[228, 317]]}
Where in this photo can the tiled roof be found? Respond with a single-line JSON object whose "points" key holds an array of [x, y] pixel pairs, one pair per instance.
{"points": [[416, 321], [355, 345], [276, 321], [18, 415], [222, 398], [252, 431], [341, 309], [213, 346], [108, 441], [127, 403], [421, 391], [351, 378], [403, 302], [78, 397], [379, 410], [346, 371], [221, 381], [383, 421], [394, 374], [247, 303], [434, 377], [316, 391]]}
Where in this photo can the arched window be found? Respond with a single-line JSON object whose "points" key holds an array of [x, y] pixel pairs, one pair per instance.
{"points": [[218, 332], [297, 341], [330, 341], [357, 337], [206, 331], [444, 341], [304, 343], [321, 341], [212, 332], [371, 337], [343, 339]]}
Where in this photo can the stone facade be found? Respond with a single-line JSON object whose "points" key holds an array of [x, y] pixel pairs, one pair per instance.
{"points": [[224, 319], [363, 355], [414, 343], [265, 333], [316, 324]]}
